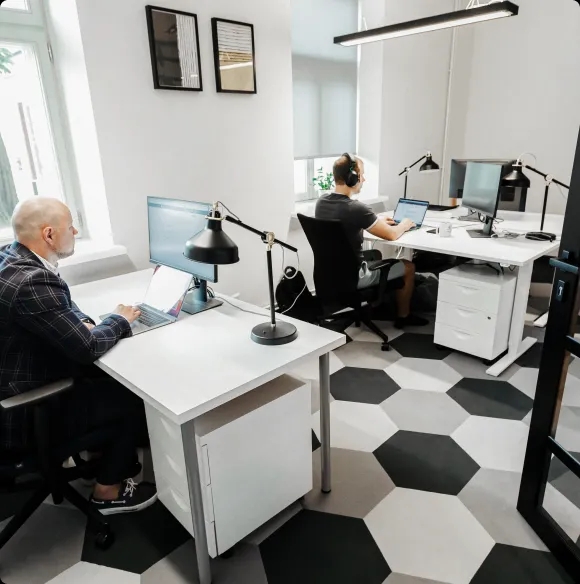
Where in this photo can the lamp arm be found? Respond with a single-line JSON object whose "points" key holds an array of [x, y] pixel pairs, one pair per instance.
{"points": [[546, 176], [263, 234], [408, 168]]}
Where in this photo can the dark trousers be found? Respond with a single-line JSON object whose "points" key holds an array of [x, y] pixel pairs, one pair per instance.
{"points": [[101, 415]]}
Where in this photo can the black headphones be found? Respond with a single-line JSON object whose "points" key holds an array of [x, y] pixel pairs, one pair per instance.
{"points": [[352, 177]]}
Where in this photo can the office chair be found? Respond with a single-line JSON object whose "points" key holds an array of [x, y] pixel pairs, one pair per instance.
{"points": [[336, 275], [41, 468]]}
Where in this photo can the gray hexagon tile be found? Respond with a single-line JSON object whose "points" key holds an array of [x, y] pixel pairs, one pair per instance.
{"points": [[526, 380], [92, 574], [370, 386], [566, 514], [404, 579], [48, 544], [424, 411], [356, 426], [429, 535], [491, 398], [423, 374], [359, 483], [367, 355], [468, 366], [494, 443], [492, 496]]}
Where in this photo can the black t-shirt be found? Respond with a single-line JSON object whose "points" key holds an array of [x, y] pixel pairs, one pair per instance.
{"points": [[355, 216]]}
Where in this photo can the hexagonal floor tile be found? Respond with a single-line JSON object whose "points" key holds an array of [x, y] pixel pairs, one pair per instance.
{"points": [[180, 567], [404, 579], [419, 346], [426, 462], [429, 535], [48, 544], [564, 480], [321, 547], [93, 574], [355, 426], [491, 398], [492, 496], [531, 358], [469, 366], [367, 355], [526, 380], [363, 334], [423, 374], [425, 411], [359, 483], [494, 443], [568, 430], [139, 543], [369, 386], [564, 512], [512, 565]]}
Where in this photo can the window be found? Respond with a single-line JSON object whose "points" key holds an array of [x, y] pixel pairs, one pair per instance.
{"points": [[33, 155], [305, 171]]}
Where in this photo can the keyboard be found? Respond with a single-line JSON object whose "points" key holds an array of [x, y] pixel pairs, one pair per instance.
{"points": [[150, 318]]}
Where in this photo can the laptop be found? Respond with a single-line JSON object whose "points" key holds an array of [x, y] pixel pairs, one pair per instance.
{"points": [[413, 210], [163, 300]]}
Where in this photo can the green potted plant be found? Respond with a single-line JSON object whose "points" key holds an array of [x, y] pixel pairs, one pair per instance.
{"points": [[323, 182]]}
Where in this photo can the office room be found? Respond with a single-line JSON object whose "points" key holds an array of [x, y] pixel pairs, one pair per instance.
{"points": [[288, 292]]}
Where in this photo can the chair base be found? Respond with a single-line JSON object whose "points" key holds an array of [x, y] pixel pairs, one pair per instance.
{"points": [[358, 317]]}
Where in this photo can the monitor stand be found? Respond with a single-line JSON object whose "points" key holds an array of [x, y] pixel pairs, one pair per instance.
{"points": [[486, 232], [197, 300]]}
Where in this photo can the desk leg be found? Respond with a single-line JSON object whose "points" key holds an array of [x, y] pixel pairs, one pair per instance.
{"points": [[517, 345], [325, 421], [196, 501]]}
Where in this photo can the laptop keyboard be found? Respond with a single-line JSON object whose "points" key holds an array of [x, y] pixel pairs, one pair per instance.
{"points": [[150, 318]]}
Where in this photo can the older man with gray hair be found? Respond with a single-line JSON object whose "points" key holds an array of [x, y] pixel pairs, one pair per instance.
{"points": [[44, 337]]}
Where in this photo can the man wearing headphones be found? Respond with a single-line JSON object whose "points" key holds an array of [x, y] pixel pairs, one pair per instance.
{"points": [[358, 217]]}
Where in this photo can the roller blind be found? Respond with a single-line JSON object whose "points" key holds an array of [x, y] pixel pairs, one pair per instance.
{"points": [[324, 78]]}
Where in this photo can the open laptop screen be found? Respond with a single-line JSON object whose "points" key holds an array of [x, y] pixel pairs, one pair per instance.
{"points": [[411, 209], [167, 290]]}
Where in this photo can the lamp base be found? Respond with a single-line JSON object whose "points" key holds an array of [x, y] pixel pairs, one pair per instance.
{"points": [[279, 334], [541, 236]]}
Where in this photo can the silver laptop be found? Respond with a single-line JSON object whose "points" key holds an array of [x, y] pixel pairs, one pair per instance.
{"points": [[413, 210], [163, 300]]}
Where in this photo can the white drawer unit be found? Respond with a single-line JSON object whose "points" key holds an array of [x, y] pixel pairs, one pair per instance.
{"points": [[474, 310], [256, 455]]}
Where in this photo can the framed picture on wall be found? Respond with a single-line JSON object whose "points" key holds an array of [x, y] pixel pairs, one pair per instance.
{"points": [[234, 56], [174, 44]]}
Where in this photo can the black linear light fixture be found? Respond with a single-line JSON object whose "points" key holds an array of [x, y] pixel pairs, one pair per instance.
{"points": [[475, 12]]}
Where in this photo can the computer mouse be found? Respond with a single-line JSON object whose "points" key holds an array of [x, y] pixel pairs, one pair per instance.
{"points": [[540, 236]]}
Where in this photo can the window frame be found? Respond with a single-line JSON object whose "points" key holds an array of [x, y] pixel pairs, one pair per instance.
{"points": [[29, 27]]}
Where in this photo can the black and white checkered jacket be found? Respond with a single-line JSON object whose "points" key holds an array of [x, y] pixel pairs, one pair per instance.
{"points": [[42, 336]]}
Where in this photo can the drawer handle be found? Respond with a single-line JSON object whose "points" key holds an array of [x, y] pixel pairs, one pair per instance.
{"points": [[462, 335], [465, 312], [469, 288]]}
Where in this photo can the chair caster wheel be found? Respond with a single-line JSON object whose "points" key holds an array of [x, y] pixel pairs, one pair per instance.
{"points": [[385, 347], [104, 540]]}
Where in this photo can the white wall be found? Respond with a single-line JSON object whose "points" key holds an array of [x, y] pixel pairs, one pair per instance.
{"points": [[524, 91], [204, 147]]}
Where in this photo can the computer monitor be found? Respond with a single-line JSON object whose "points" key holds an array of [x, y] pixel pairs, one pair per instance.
{"points": [[171, 223], [510, 199], [481, 193]]}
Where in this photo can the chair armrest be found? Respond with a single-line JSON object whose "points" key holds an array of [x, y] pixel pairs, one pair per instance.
{"points": [[382, 264], [36, 396]]}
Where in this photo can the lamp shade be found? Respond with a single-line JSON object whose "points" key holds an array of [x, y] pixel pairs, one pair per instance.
{"points": [[516, 178], [429, 165], [212, 246]]}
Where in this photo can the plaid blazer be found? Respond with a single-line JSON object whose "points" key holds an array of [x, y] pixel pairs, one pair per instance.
{"points": [[42, 336]]}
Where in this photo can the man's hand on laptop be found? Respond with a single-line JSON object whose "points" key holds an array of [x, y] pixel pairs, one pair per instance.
{"points": [[390, 221], [406, 224], [131, 313]]}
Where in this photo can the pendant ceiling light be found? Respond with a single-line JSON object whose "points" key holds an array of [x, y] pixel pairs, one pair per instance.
{"points": [[475, 12]]}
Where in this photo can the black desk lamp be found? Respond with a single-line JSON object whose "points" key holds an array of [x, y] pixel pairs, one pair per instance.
{"points": [[517, 179], [213, 246], [428, 166]]}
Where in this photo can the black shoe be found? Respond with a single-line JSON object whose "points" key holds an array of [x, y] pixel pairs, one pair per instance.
{"points": [[132, 497], [411, 320]]}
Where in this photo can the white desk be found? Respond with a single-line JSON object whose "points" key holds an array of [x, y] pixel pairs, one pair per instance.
{"points": [[520, 253], [189, 368]]}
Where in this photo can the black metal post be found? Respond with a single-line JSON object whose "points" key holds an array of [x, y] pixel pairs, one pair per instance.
{"points": [[406, 179], [546, 193], [271, 286]]}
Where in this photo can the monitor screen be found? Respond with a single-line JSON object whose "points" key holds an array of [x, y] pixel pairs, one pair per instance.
{"points": [[171, 223], [481, 190], [459, 168]]}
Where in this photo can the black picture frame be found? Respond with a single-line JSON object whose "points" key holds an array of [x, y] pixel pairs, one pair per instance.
{"points": [[220, 86], [154, 46]]}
